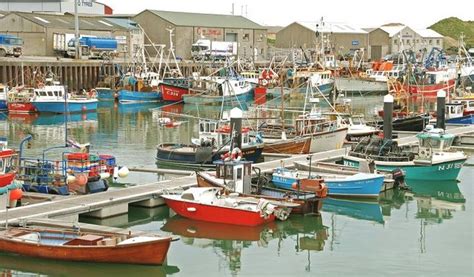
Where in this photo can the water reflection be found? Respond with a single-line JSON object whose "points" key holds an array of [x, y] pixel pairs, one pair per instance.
{"points": [[13, 265], [364, 210], [436, 201]]}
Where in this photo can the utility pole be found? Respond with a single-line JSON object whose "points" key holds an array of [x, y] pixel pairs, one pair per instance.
{"points": [[76, 25]]}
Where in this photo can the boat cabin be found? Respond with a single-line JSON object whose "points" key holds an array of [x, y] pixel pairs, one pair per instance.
{"points": [[433, 140], [454, 110], [54, 92], [218, 133], [3, 92], [8, 159], [237, 173], [468, 105]]}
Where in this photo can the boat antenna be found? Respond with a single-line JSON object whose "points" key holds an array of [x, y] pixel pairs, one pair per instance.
{"points": [[65, 115]]}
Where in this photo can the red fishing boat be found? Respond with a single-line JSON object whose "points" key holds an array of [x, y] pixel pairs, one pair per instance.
{"points": [[19, 101], [59, 244], [9, 161], [208, 204], [431, 82], [173, 89]]}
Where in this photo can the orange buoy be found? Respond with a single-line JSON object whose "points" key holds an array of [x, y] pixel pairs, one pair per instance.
{"points": [[81, 179], [294, 185], [16, 194]]}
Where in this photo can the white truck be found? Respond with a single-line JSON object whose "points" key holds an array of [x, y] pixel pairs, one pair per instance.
{"points": [[205, 49]]}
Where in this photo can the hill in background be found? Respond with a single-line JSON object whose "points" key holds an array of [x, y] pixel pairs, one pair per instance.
{"points": [[452, 27]]}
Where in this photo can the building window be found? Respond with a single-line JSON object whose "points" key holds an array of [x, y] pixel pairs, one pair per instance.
{"points": [[417, 41], [430, 41], [395, 41], [260, 37], [246, 37], [437, 42]]}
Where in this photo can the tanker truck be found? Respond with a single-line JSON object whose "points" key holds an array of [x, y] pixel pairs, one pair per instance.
{"points": [[92, 47]]}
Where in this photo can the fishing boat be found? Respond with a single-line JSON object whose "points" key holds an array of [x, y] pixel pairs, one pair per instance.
{"points": [[430, 82], [19, 100], [455, 114], [54, 99], [236, 176], [213, 142], [79, 246], [140, 87], [219, 91], [320, 81], [208, 204], [296, 145], [173, 89], [357, 185], [3, 97], [9, 163], [325, 134], [433, 159]]}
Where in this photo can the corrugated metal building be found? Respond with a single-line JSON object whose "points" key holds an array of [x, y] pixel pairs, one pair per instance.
{"points": [[189, 27], [391, 39], [58, 6], [342, 38], [38, 29]]}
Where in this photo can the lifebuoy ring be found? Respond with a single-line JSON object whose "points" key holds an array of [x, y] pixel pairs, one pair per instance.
{"points": [[226, 156], [236, 154], [264, 82], [322, 191]]}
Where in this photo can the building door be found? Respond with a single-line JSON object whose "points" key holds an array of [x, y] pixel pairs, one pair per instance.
{"points": [[231, 37], [375, 52]]}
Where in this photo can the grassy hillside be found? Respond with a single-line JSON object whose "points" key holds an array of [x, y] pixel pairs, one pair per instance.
{"points": [[453, 27]]}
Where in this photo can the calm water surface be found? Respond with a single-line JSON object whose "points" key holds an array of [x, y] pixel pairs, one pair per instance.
{"points": [[427, 231]]}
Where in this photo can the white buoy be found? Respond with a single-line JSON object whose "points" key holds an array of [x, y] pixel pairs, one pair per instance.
{"points": [[104, 175], [116, 169], [70, 179], [123, 172]]}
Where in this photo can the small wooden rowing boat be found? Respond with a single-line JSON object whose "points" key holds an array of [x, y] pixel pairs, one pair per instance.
{"points": [[84, 246]]}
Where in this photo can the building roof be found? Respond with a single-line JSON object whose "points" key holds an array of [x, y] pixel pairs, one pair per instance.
{"points": [[273, 29], [341, 28], [428, 33], [66, 21], [393, 30], [207, 20]]}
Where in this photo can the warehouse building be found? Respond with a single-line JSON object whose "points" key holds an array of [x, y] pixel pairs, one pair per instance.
{"points": [[39, 30], [393, 38], [341, 38], [56, 6], [189, 27]]}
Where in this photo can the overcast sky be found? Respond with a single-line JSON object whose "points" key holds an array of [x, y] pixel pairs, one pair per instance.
{"points": [[362, 13]]}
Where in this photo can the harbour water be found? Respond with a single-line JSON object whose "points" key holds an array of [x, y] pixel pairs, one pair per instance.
{"points": [[427, 231]]}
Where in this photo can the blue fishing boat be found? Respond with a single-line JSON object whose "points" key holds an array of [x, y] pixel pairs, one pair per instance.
{"points": [[455, 114], [320, 82], [433, 159], [219, 91], [106, 94], [143, 88], [357, 185], [54, 99]]}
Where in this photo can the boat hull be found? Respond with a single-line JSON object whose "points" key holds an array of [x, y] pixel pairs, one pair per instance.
{"points": [[172, 93], [21, 108], [217, 214], [73, 106], [325, 89], [184, 155], [326, 141], [362, 185], [290, 146], [3, 105], [441, 171], [138, 96], [105, 94], [430, 90], [150, 253], [467, 119]]}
